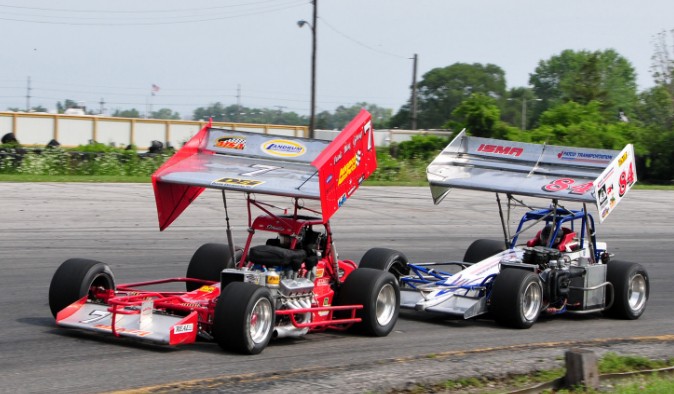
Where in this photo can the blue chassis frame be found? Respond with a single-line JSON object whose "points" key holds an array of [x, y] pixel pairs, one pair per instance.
{"points": [[424, 275]]}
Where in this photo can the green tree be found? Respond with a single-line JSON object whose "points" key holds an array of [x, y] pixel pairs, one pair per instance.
{"points": [[215, 111], [479, 114], [242, 114], [164, 113], [441, 90], [277, 116], [574, 124], [324, 121], [655, 108], [585, 85], [126, 113], [656, 113], [343, 115], [37, 108], [662, 66], [584, 76]]}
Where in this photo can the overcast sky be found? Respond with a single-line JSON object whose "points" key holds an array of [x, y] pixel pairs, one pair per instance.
{"points": [[252, 52]]}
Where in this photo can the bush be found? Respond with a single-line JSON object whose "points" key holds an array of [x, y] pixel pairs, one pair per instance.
{"points": [[390, 169], [57, 161], [420, 147]]}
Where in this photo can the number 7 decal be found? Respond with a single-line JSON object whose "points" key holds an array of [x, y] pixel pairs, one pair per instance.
{"points": [[367, 129], [263, 169]]}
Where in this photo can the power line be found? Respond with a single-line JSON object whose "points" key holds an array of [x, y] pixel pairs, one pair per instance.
{"points": [[154, 11], [135, 91], [161, 20], [362, 43]]}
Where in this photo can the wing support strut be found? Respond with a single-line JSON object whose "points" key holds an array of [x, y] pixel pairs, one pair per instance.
{"points": [[229, 228], [503, 223]]}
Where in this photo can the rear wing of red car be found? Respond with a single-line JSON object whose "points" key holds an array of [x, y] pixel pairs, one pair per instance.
{"points": [[267, 164], [598, 176]]}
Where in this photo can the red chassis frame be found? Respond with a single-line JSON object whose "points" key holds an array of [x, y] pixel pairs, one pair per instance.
{"points": [[198, 306]]}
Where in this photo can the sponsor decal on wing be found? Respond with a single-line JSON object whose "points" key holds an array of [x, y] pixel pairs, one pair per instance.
{"points": [[349, 167], [283, 148], [501, 150], [244, 183], [229, 142], [588, 157], [616, 180], [183, 328]]}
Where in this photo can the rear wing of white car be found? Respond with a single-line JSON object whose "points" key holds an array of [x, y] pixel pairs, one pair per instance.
{"points": [[598, 176]]}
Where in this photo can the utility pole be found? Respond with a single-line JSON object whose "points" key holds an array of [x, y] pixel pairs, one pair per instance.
{"points": [[312, 26], [414, 93], [312, 121], [28, 89], [524, 109], [102, 103], [238, 102]]}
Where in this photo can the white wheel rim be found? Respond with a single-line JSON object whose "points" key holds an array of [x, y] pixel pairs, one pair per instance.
{"points": [[260, 321], [636, 292], [531, 302], [386, 304]]}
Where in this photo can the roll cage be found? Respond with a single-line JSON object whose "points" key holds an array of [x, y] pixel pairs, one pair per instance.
{"points": [[294, 226], [555, 215]]}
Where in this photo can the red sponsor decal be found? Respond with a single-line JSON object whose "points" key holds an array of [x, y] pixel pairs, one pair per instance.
{"points": [[501, 150], [238, 143], [569, 184], [626, 179], [140, 333]]}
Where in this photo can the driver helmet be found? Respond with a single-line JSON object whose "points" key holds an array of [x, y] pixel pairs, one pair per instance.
{"points": [[545, 234]]}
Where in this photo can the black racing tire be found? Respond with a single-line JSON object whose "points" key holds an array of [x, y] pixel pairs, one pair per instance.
{"points": [[379, 294], [244, 318], [388, 260], [208, 261], [480, 249], [516, 298], [631, 288], [74, 279]]}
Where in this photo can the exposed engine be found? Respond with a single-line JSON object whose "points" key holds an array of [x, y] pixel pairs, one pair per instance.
{"points": [[556, 272], [288, 291]]}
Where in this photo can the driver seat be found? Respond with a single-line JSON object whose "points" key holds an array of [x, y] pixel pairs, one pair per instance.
{"points": [[277, 256], [567, 242]]}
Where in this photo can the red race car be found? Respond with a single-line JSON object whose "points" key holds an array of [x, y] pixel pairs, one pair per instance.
{"points": [[289, 284]]}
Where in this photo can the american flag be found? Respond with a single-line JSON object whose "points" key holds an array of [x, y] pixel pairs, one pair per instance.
{"points": [[155, 89]]}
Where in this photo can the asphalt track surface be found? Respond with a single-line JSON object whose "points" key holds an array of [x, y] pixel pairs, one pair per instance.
{"points": [[43, 224]]}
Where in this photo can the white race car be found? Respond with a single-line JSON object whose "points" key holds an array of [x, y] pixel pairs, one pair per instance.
{"points": [[561, 268]]}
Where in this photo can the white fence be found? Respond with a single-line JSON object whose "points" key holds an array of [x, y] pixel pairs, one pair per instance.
{"points": [[38, 129]]}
